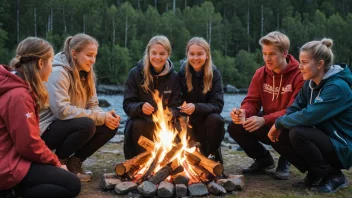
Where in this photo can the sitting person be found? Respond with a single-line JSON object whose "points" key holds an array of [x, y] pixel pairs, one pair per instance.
{"points": [[202, 91], [28, 168], [316, 133], [154, 72], [74, 124], [274, 87]]}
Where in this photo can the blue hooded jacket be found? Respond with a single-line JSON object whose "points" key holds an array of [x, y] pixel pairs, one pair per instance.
{"points": [[327, 107]]}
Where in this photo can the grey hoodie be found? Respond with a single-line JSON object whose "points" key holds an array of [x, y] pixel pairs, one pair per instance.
{"points": [[61, 106]]}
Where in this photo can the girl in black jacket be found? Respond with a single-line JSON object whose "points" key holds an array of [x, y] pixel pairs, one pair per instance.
{"points": [[202, 91], [154, 72]]}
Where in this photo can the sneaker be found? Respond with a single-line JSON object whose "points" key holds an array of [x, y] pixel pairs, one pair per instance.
{"points": [[74, 165], [331, 183], [260, 166], [306, 182], [283, 169]]}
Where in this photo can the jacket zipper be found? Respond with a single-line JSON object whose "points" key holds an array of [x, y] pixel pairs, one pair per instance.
{"points": [[340, 138]]}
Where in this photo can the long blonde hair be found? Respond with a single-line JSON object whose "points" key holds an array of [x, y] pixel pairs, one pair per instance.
{"points": [[208, 70], [320, 50], [77, 43], [148, 78], [28, 53]]}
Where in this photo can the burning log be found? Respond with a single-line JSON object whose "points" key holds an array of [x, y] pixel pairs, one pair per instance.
{"points": [[201, 173], [161, 175], [152, 165], [126, 166], [213, 167], [146, 143], [171, 154], [192, 159]]}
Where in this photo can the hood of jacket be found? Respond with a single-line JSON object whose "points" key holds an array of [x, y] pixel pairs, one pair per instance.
{"points": [[169, 68], [60, 59], [9, 80]]}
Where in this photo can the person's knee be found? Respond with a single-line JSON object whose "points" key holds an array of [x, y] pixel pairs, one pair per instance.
{"points": [[87, 125], [214, 120], [141, 127], [295, 134], [235, 130]]}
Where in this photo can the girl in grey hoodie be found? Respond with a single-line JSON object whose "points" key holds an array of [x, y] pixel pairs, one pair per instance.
{"points": [[74, 124]]}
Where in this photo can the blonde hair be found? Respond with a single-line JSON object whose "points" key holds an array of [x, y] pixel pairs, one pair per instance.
{"points": [[158, 39], [28, 53], [77, 43], [208, 70], [320, 50], [277, 39]]}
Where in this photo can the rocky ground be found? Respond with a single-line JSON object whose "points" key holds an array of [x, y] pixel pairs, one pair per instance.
{"points": [[107, 157]]}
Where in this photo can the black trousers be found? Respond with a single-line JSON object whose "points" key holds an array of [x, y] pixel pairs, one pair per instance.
{"points": [[309, 149], [48, 181], [209, 131], [77, 136], [250, 141]]}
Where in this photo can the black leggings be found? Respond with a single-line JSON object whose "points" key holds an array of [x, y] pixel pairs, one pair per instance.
{"points": [[209, 131], [77, 136], [48, 181], [309, 149]]}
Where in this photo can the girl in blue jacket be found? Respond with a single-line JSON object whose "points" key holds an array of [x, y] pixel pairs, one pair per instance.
{"points": [[318, 127]]}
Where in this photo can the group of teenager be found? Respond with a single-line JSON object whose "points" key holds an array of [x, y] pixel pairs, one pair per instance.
{"points": [[49, 103]]}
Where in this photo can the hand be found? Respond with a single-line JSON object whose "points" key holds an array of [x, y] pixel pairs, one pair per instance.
{"points": [[64, 167], [112, 120], [274, 134], [188, 108], [253, 123], [147, 108], [238, 116]]}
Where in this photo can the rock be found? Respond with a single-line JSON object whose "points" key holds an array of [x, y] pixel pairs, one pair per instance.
{"points": [[216, 189], [181, 190], [110, 89], [147, 189], [109, 181], [116, 152], [117, 139], [231, 89], [125, 187], [198, 189], [230, 184], [166, 189], [103, 103]]}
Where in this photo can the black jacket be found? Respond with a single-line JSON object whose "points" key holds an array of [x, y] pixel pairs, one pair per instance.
{"points": [[134, 96], [212, 101], [168, 86]]}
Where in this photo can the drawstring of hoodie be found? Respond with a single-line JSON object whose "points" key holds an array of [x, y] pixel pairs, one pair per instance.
{"points": [[277, 96], [311, 93]]}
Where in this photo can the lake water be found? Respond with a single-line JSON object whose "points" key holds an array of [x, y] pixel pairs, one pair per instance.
{"points": [[231, 101]]}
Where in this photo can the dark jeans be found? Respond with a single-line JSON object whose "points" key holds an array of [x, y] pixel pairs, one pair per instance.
{"points": [[249, 141], [309, 149], [77, 136], [209, 131], [48, 181]]}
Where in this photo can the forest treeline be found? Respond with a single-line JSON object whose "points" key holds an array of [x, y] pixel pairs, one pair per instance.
{"points": [[123, 28]]}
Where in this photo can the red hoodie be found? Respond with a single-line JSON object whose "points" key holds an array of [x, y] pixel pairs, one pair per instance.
{"points": [[20, 143], [286, 84]]}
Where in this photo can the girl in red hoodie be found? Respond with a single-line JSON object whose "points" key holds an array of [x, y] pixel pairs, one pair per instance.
{"points": [[27, 165]]}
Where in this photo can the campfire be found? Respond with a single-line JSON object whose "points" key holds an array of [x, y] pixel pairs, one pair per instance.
{"points": [[171, 158]]}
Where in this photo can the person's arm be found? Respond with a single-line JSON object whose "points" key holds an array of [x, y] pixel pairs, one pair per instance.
{"points": [[22, 123], [131, 102], [216, 98], [297, 85], [60, 103], [252, 102], [93, 103], [331, 105]]}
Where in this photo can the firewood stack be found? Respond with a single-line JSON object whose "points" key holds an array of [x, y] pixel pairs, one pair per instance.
{"points": [[197, 174]]}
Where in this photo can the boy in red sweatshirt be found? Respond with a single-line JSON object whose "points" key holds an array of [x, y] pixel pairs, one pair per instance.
{"points": [[273, 88]]}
